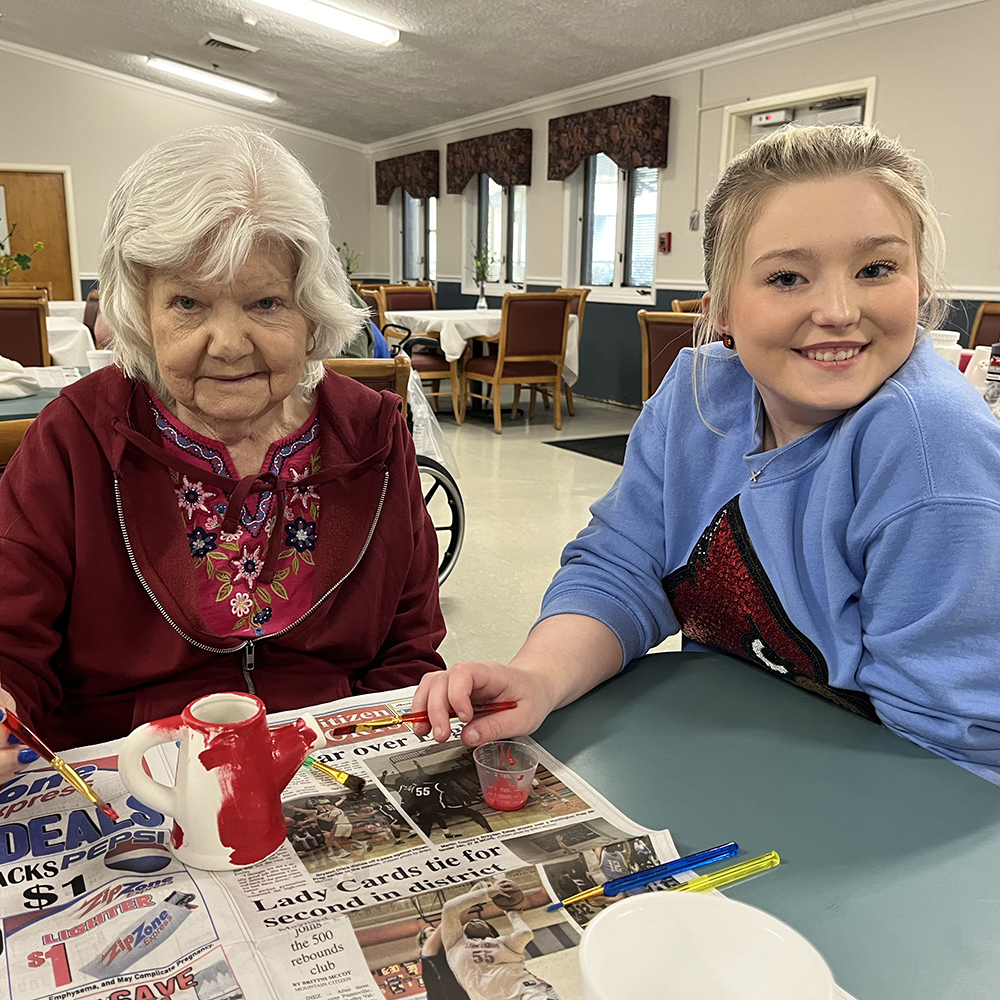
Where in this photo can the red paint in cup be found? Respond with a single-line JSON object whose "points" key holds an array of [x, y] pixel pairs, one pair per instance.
{"points": [[506, 771]]}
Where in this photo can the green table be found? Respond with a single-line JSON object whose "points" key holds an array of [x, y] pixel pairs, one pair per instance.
{"points": [[890, 854], [27, 407]]}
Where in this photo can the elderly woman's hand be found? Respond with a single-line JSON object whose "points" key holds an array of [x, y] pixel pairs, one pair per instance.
{"points": [[10, 747]]}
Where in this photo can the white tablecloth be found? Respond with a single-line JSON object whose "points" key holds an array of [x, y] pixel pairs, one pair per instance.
{"points": [[457, 326], [68, 308], [69, 341]]}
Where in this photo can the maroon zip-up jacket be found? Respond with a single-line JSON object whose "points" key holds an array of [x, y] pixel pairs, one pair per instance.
{"points": [[89, 650]]}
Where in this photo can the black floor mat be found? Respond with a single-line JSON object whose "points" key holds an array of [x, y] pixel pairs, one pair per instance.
{"points": [[610, 448]]}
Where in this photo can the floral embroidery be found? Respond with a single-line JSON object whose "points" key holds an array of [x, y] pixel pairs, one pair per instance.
{"points": [[229, 563], [301, 493], [301, 535], [249, 565], [201, 541], [192, 497], [241, 605]]}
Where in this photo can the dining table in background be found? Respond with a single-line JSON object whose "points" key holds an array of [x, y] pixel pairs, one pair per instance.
{"points": [[457, 327], [68, 308], [69, 340]]}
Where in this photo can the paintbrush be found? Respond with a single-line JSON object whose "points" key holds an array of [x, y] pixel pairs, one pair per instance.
{"points": [[350, 781], [413, 717], [28, 738]]}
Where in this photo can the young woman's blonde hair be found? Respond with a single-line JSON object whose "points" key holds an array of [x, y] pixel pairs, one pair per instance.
{"points": [[200, 202], [795, 154]]}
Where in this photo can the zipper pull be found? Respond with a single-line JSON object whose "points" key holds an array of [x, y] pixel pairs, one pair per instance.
{"points": [[249, 657]]}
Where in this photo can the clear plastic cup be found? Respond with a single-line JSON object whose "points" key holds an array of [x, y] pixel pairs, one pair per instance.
{"points": [[506, 771]]}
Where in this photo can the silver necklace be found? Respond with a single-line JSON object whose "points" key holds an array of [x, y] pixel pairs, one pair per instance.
{"points": [[754, 476]]}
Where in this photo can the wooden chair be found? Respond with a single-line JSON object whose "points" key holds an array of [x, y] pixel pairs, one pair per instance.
{"points": [[22, 292], [431, 365], [986, 325], [532, 350], [11, 433], [23, 335], [407, 297], [664, 336], [577, 305], [372, 298], [376, 373], [686, 305], [91, 309]]}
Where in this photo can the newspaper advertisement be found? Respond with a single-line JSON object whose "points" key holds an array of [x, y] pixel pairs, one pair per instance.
{"points": [[412, 888]]}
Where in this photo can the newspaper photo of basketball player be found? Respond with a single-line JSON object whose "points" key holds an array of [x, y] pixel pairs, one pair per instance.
{"points": [[331, 830], [597, 864], [492, 940], [438, 787]]}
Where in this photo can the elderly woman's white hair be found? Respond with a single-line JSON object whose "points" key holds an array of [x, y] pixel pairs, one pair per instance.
{"points": [[200, 202]]}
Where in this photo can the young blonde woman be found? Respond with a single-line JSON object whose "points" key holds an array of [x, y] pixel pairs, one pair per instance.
{"points": [[818, 493]]}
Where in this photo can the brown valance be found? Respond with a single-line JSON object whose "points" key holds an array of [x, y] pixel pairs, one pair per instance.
{"points": [[419, 174], [505, 156], [633, 134]]}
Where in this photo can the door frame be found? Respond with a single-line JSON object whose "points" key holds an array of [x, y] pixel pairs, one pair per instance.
{"points": [[67, 176]]}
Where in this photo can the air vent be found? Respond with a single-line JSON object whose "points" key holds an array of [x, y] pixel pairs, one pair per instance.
{"points": [[214, 41]]}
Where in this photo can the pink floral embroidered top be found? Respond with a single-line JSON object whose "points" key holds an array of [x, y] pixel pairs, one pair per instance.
{"points": [[231, 599]]}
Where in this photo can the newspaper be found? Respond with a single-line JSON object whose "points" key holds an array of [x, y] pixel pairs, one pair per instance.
{"points": [[379, 894]]}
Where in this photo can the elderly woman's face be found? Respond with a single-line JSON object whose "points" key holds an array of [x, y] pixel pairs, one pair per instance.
{"points": [[230, 352]]}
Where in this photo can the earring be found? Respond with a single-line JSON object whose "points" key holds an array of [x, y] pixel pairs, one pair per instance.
{"points": [[727, 340], [309, 350]]}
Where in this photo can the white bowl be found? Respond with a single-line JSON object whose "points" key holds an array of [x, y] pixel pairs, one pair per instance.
{"points": [[688, 946]]}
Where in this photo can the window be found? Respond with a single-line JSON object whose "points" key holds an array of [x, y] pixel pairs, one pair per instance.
{"points": [[419, 236], [501, 231], [618, 241]]}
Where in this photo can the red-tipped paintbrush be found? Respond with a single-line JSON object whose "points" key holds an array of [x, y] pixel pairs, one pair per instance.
{"points": [[412, 717], [29, 739]]}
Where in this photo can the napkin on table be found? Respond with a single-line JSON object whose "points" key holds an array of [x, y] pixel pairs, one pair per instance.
{"points": [[15, 382]]}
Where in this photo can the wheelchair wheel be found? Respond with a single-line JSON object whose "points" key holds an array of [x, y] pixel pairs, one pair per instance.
{"points": [[443, 500]]}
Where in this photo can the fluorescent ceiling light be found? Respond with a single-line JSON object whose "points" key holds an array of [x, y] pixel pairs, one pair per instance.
{"points": [[339, 20], [212, 79]]}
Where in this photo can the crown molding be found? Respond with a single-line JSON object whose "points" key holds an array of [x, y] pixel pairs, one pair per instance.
{"points": [[825, 27], [204, 102]]}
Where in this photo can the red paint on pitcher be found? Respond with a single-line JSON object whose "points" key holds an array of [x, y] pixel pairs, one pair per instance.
{"points": [[176, 835], [505, 795]]}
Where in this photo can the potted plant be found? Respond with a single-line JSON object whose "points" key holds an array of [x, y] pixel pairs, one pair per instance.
{"points": [[349, 258], [12, 261], [482, 263]]}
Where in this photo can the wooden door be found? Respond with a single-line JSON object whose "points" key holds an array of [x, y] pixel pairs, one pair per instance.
{"points": [[36, 202]]}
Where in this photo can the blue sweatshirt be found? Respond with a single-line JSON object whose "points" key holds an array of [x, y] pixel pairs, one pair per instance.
{"points": [[861, 561]]}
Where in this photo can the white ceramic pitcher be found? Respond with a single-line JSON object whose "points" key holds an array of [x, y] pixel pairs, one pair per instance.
{"points": [[231, 771]]}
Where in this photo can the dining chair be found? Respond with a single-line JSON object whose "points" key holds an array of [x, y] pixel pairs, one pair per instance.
{"points": [[91, 309], [577, 306], [686, 305], [664, 336], [429, 362], [372, 298], [531, 351], [11, 434], [23, 335], [376, 373], [986, 325], [406, 298], [22, 292]]}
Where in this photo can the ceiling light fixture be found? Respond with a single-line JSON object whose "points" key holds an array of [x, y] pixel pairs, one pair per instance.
{"points": [[339, 20], [212, 79]]}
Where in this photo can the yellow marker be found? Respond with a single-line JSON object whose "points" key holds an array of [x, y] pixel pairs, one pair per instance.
{"points": [[715, 880]]}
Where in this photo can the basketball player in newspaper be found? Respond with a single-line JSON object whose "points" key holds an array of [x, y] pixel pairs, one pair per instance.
{"points": [[490, 965]]}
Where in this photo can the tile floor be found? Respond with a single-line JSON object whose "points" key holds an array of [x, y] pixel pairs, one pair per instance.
{"points": [[523, 501]]}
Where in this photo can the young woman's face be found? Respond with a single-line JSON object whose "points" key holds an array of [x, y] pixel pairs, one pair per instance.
{"points": [[825, 306]]}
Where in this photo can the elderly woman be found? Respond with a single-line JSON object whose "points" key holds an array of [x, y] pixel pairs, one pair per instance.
{"points": [[217, 511]]}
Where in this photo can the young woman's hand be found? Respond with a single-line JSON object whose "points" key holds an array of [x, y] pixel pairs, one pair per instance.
{"points": [[465, 685]]}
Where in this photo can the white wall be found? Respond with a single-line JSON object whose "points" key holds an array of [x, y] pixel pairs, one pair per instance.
{"points": [[97, 125], [937, 90]]}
